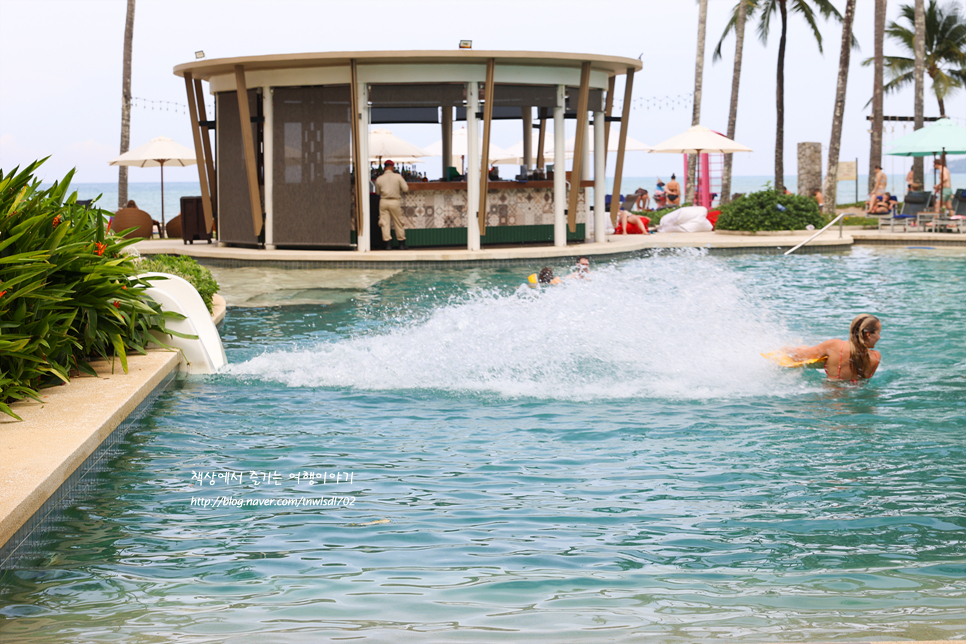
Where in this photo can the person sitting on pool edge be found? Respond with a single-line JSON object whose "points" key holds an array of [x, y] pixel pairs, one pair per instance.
{"points": [[852, 360]]}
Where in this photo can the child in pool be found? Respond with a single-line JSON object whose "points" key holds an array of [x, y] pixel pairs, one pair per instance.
{"points": [[853, 360]]}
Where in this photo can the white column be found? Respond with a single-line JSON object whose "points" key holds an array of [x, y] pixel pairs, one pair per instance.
{"points": [[585, 176], [472, 167], [268, 139], [362, 174], [559, 171], [600, 162]]}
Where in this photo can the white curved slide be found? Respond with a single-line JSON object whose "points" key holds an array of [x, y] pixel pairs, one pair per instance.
{"points": [[203, 355]]}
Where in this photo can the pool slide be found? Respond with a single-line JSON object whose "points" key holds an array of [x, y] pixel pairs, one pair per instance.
{"points": [[204, 354]]}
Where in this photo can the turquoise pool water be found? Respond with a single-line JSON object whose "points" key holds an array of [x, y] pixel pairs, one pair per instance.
{"points": [[602, 461]]}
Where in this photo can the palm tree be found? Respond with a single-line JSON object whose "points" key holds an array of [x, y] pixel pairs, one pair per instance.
{"points": [[875, 151], [737, 22], [944, 50], [698, 77], [125, 104], [831, 177], [768, 9], [919, 72]]}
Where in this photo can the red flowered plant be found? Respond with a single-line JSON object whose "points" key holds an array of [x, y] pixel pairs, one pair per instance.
{"points": [[99, 248]]}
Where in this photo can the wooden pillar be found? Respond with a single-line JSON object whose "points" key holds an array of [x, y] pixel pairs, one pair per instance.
{"points": [[541, 139], [362, 170], [485, 163], [199, 151], [249, 145], [608, 108], [528, 137], [615, 202], [447, 139], [206, 142], [579, 143]]}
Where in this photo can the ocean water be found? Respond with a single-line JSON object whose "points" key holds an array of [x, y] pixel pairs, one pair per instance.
{"points": [[148, 195], [607, 460]]}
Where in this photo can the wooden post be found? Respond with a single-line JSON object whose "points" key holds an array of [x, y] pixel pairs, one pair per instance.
{"points": [[206, 142], [541, 138], [248, 142], [362, 170], [199, 151], [615, 202], [577, 174], [528, 137], [608, 108], [485, 163]]}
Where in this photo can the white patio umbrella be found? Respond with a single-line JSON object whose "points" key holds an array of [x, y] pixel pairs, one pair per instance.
{"points": [[460, 147], [700, 140], [158, 152], [383, 144], [515, 151]]}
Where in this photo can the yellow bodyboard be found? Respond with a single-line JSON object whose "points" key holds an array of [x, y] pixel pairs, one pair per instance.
{"points": [[782, 359]]}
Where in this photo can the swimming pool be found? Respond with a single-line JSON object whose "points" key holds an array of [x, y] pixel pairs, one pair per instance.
{"points": [[600, 461]]}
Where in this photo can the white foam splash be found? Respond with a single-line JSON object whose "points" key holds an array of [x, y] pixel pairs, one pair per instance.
{"points": [[675, 327]]}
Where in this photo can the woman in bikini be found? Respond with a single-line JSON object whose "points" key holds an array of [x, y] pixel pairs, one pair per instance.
{"points": [[853, 360]]}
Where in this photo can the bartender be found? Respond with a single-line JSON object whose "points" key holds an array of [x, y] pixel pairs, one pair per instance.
{"points": [[391, 187]]}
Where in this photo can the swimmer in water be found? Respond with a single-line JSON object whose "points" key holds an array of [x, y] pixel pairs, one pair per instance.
{"points": [[581, 269], [853, 360], [544, 277]]}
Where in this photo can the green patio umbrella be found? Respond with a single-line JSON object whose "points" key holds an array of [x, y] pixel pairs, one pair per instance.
{"points": [[943, 135]]}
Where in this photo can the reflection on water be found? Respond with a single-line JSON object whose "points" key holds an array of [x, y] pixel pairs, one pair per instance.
{"points": [[604, 461]]}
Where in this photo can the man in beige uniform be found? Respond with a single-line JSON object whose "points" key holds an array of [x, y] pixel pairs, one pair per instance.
{"points": [[391, 187]]}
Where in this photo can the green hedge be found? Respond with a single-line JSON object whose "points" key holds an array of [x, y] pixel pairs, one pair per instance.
{"points": [[185, 267], [66, 293], [761, 211]]}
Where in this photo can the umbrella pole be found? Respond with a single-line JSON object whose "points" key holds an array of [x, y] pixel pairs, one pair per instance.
{"points": [[161, 230]]}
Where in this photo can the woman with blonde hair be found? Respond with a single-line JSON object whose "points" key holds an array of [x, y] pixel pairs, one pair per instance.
{"points": [[853, 360]]}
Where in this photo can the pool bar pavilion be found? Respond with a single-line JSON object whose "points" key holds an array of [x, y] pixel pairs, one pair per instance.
{"points": [[291, 130]]}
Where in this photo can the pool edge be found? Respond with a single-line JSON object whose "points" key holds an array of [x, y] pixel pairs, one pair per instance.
{"points": [[65, 437]]}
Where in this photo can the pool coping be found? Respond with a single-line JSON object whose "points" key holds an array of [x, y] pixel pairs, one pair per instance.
{"points": [[60, 440], [614, 248]]}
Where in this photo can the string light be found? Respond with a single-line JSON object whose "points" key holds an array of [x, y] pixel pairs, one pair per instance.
{"points": [[671, 102], [166, 106]]}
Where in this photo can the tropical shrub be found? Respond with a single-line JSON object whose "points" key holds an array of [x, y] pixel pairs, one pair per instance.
{"points": [[66, 293], [185, 267], [768, 210]]}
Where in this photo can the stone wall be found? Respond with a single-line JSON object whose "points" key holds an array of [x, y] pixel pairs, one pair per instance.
{"points": [[809, 168]]}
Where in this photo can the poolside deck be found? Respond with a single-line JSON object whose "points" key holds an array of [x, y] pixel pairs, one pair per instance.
{"points": [[615, 247]]}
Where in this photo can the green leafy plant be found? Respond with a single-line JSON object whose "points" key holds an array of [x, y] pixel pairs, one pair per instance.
{"points": [[768, 210], [66, 291], [185, 267]]}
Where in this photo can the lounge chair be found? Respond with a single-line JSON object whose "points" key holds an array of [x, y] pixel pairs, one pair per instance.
{"points": [[914, 203], [955, 219], [133, 218]]}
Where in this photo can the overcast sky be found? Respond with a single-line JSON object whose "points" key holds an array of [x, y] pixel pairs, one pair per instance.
{"points": [[60, 69]]}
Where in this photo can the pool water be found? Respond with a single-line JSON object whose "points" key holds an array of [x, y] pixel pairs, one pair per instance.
{"points": [[602, 461]]}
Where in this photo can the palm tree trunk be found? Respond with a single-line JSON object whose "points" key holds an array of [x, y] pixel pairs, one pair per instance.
{"points": [[733, 110], [831, 178], [126, 104], [698, 77], [875, 152], [780, 104], [919, 43]]}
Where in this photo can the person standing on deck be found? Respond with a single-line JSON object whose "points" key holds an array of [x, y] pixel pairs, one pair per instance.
{"points": [[391, 187], [944, 189], [673, 192], [878, 188]]}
